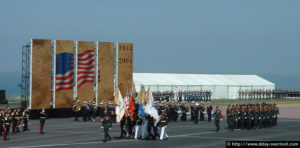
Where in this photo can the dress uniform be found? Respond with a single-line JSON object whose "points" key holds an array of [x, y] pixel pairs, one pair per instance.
{"points": [[163, 124], [13, 121], [42, 120], [106, 125], [25, 117], [6, 125]]}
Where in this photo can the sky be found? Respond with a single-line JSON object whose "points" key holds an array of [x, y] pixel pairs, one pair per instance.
{"points": [[169, 36]]}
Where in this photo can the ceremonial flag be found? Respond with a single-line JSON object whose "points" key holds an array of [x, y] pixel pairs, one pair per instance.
{"points": [[140, 95], [127, 100], [131, 108], [64, 71], [120, 109], [150, 109], [86, 67], [142, 111]]}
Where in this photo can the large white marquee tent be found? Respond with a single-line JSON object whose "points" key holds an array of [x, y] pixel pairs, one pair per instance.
{"points": [[221, 86]]}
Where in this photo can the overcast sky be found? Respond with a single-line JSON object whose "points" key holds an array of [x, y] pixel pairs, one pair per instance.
{"points": [[209, 37]]}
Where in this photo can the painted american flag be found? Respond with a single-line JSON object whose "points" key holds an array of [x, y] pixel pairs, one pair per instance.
{"points": [[86, 67], [64, 71]]}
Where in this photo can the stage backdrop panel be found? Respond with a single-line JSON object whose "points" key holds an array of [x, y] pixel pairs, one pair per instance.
{"points": [[125, 67], [64, 98], [106, 68], [41, 74], [86, 91]]}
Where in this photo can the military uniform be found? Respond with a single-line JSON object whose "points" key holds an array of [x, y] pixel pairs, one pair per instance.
{"points": [[25, 117], [42, 121], [217, 116], [6, 125], [208, 110], [106, 124]]}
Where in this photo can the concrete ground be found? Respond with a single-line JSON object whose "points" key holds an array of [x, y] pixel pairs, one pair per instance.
{"points": [[66, 133]]}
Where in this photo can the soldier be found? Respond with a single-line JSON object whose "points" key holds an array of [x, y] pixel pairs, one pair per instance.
{"points": [[106, 125], [276, 114], [94, 112], [101, 111], [242, 117], [256, 116], [163, 124], [6, 126], [85, 111], [184, 110], [217, 116], [1, 121], [42, 120], [228, 114], [25, 117], [208, 110], [202, 109], [232, 119], [249, 117], [90, 111], [19, 119], [13, 120], [261, 116], [196, 113], [192, 109]]}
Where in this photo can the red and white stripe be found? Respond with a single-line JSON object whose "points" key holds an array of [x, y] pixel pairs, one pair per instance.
{"points": [[65, 81], [86, 67]]}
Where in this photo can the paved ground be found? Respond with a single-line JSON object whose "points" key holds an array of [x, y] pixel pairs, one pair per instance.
{"points": [[70, 134]]}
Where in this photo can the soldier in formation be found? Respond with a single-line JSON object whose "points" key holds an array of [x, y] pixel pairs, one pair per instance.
{"points": [[252, 116]]}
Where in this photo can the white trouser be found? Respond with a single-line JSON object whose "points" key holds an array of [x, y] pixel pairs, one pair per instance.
{"points": [[144, 128], [163, 134], [136, 131]]}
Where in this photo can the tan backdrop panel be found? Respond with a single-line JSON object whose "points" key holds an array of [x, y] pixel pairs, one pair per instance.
{"points": [[86, 91], [41, 74], [64, 98], [125, 67], [106, 67]]}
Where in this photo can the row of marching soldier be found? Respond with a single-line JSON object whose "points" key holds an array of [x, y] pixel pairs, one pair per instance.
{"points": [[252, 116]]}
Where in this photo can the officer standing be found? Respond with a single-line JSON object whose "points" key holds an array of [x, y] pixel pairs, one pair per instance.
{"points": [[42, 120], [106, 125]]}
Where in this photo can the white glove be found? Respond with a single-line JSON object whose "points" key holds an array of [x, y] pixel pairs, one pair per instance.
{"points": [[101, 126], [259, 118], [252, 118], [110, 128], [245, 117], [235, 119], [239, 117], [221, 119]]}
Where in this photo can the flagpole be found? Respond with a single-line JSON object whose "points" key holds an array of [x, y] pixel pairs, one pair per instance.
{"points": [[54, 74], [75, 71], [30, 74], [96, 71]]}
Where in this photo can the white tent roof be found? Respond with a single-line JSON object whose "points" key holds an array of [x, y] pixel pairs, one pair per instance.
{"points": [[199, 79]]}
